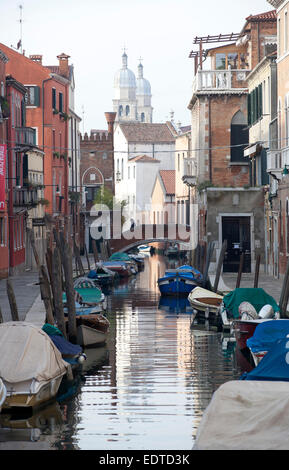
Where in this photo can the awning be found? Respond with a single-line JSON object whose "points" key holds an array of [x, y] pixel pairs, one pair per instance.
{"points": [[253, 150]]}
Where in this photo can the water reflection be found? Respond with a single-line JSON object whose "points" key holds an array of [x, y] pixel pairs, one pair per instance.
{"points": [[148, 387]]}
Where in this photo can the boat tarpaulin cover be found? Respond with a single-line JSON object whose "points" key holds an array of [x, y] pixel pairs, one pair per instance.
{"points": [[27, 352], [266, 333], [246, 416], [254, 295], [274, 365]]}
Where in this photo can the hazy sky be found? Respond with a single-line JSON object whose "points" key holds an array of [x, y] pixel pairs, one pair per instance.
{"points": [[94, 32]]}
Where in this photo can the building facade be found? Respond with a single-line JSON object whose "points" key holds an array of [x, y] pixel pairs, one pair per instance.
{"points": [[140, 151], [227, 207], [96, 173]]}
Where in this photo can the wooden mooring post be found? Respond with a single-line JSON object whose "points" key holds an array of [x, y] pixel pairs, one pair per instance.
{"points": [[241, 264], [284, 296], [12, 301], [66, 259], [257, 269], [57, 291], [220, 265], [45, 289]]}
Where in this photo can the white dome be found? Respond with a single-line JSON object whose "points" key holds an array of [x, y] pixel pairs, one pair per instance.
{"points": [[124, 78], [143, 87]]}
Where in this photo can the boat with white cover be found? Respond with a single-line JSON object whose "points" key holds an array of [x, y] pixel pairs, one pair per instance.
{"points": [[31, 366]]}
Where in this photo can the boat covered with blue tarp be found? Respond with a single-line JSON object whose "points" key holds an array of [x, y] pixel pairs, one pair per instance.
{"points": [[267, 333], [274, 366], [180, 281]]}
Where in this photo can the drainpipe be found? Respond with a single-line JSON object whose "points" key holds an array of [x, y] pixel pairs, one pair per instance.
{"points": [[43, 146], [210, 142]]}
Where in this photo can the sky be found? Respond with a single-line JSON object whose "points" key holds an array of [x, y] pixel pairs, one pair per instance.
{"points": [[94, 32]]}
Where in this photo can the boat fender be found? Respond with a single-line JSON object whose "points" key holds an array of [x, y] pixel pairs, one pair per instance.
{"points": [[245, 308], [266, 311], [81, 358]]}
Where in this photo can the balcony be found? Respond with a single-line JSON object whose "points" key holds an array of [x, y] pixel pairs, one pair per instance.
{"points": [[24, 197], [189, 172], [277, 160], [25, 138], [220, 80]]}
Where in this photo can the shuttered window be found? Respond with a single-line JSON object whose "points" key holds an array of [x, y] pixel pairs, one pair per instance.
{"points": [[255, 105], [32, 97]]}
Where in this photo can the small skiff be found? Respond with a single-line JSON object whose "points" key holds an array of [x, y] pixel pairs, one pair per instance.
{"points": [[202, 299], [92, 330]]}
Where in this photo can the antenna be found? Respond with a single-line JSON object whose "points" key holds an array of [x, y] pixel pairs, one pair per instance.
{"points": [[19, 43]]}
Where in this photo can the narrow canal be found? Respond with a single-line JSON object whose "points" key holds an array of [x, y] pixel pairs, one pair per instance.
{"points": [[146, 389]]}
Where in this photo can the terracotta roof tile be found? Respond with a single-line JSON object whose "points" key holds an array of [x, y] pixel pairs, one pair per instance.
{"points": [[144, 158], [168, 178], [146, 132], [268, 15]]}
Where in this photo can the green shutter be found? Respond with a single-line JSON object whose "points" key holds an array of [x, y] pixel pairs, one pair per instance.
{"points": [[249, 108], [260, 100], [53, 98]]}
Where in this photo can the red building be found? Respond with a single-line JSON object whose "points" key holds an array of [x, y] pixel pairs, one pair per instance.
{"points": [[47, 112], [4, 248]]}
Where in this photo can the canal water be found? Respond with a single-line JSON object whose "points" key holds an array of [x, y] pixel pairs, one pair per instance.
{"points": [[146, 389]]}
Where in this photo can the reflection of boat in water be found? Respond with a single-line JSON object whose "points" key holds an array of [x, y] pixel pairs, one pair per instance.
{"points": [[174, 304], [96, 358], [27, 431]]}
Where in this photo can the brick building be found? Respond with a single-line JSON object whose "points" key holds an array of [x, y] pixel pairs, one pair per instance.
{"points": [[4, 240], [47, 113], [96, 172], [227, 207]]}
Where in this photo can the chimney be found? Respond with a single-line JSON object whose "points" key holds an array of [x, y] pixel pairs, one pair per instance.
{"points": [[63, 65], [110, 118], [36, 58]]}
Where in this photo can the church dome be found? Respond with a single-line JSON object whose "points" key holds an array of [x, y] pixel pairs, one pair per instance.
{"points": [[124, 77], [143, 85]]}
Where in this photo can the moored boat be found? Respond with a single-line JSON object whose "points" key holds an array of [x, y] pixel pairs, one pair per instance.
{"points": [[246, 415], [144, 248], [179, 281], [206, 304], [241, 311], [92, 330], [120, 267], [31, 366], [265, 336], [70, 352]]}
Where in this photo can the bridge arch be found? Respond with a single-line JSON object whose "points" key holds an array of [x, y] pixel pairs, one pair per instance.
{"points": [[150, 233]]}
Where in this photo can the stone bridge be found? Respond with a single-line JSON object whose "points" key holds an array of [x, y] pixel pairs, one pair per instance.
{"points": [[149, 233]]}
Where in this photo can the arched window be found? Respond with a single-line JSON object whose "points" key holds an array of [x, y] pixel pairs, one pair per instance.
{"points": [[127, 110], [120, 110], [142, 117], [239, 137]]}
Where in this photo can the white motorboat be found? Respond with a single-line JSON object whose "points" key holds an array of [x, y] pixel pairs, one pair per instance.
{"points": [[31, 366]]}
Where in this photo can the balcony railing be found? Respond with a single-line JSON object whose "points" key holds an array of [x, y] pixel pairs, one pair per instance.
{"points": [[25, 197], [216, 80], [25, 136]]}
